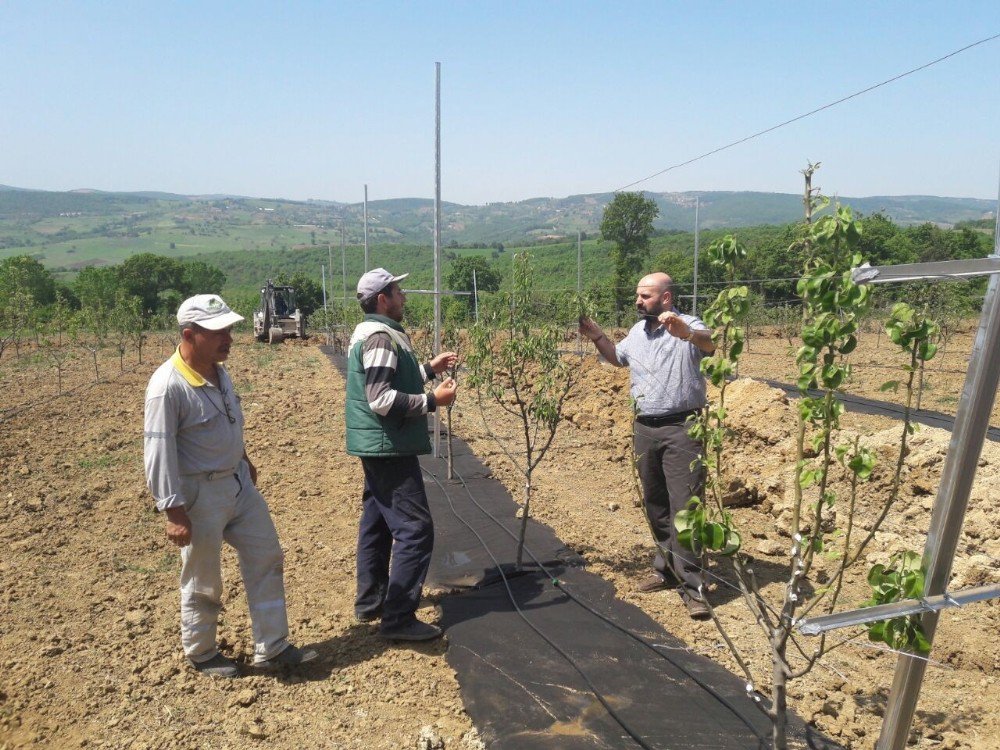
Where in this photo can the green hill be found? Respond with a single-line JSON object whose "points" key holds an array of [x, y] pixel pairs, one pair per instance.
{"points": [[70, 230]]}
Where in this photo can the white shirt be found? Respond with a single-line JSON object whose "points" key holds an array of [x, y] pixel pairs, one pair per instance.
{"points": [[191, 427]]}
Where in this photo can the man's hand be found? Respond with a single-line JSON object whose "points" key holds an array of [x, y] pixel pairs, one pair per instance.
{"points": [[444, 394], [590, 329], [674, 324], [251, 468], [444, 361], [178, 526]]}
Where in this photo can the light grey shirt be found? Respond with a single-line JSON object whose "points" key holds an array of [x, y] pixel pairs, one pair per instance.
{"points": [[188, 430], [665, 370]]}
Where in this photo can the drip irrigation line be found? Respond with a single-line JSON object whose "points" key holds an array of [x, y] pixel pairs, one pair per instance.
{"points": [[811, 112], [586, 606], [510, 595]]}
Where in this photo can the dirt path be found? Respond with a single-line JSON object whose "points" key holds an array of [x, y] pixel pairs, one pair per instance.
{"points": [[89, 638], [88, 641]]}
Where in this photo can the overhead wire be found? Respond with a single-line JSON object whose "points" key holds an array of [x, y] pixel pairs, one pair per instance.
{"points": [[811, 112]]}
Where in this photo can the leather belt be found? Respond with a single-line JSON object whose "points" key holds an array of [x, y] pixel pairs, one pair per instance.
{"points": [[659, 420]]}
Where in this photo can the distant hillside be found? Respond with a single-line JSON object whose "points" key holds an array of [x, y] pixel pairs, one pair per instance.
{"points": [[70, 230]]}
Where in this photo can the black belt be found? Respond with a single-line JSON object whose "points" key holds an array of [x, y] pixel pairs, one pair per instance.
{"points": [[659, 420]]}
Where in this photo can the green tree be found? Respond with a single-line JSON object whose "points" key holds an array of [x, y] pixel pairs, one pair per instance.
{"points": [[22, 273], [460, 277], [96, 286], [628, 222], [197, 277], [147, 275]]}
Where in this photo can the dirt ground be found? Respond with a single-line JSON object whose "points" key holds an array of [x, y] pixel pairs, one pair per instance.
{"points": [[89, 644]]}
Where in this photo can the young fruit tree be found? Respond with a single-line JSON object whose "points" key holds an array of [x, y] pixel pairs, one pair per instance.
{"points": [[514, 361], [823, 525]]}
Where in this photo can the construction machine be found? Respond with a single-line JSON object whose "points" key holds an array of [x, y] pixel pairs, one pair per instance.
{"points": [[277, 316]]}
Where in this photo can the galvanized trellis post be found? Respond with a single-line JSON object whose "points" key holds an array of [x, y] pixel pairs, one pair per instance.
{"points": [[697, 223], [437, 240], [971, 422], [579, 288], [366, 230]]}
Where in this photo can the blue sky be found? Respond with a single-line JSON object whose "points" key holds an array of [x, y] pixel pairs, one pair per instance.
{"points": [[315, 99]]}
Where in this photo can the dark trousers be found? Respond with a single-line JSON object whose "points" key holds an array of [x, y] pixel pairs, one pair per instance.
{"points": [[671, 474], [395, 539]]}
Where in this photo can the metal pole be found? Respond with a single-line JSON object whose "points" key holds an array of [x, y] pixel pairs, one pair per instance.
{"points": [[579, 289], [329, 254], [694, 301], [475, 296], [437, 238], [366, 229], [326, 313], [343, 263], [971, 422]]}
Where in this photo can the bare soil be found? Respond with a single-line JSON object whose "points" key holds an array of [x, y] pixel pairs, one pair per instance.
{"points": [[89, 645]]}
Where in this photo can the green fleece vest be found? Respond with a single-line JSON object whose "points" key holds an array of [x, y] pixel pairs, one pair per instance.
{"points": [[368, 434]]}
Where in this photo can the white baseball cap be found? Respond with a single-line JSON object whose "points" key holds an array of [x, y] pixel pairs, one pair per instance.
{"points": [[207, 311]]}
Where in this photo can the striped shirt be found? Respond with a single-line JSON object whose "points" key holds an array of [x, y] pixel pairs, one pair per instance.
{"points": [[665, 370], [380, 361]]}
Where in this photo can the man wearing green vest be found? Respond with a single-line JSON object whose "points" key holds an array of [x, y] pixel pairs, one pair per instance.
{"points": [[387, 428]]}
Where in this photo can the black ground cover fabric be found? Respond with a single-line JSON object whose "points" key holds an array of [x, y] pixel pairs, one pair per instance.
{"points": [[519, 690], [863, 405]]}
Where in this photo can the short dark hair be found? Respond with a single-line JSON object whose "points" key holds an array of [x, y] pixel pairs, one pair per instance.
{"points": [[368, 305]]}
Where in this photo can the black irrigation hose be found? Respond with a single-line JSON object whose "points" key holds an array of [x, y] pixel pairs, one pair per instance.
{"points": [[558, 584], [555, 582], [510, 595]]}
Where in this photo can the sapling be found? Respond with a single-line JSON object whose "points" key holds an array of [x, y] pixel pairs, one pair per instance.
{"points": [[514, 362], [832, 308]]}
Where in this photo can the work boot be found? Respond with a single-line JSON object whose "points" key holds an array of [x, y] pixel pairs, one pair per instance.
{"points": [[293, 656], [411, 630], [656, 581], [696, 607], [217, 666]]}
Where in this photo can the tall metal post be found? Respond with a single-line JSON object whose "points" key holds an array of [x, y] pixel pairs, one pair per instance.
{"points": [[366, 230], [475, 296], [579, 288], [326, 313], [343, 264], [437, 238], [971, 423], [697, 224], [329, 257]]}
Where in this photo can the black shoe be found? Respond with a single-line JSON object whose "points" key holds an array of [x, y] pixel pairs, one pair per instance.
{"points": [[293, 656], [217, 666], [372, 616], [413, 630]]}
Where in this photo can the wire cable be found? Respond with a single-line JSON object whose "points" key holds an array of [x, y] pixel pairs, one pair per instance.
{"points": [[810, 113]]}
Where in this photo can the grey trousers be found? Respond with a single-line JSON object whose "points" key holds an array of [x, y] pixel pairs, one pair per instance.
{"points": [[671, 473], [229, 508]]}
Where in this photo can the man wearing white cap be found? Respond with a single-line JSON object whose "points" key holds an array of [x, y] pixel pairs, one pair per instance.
{"points": [[202, 480], [386, 420]]}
